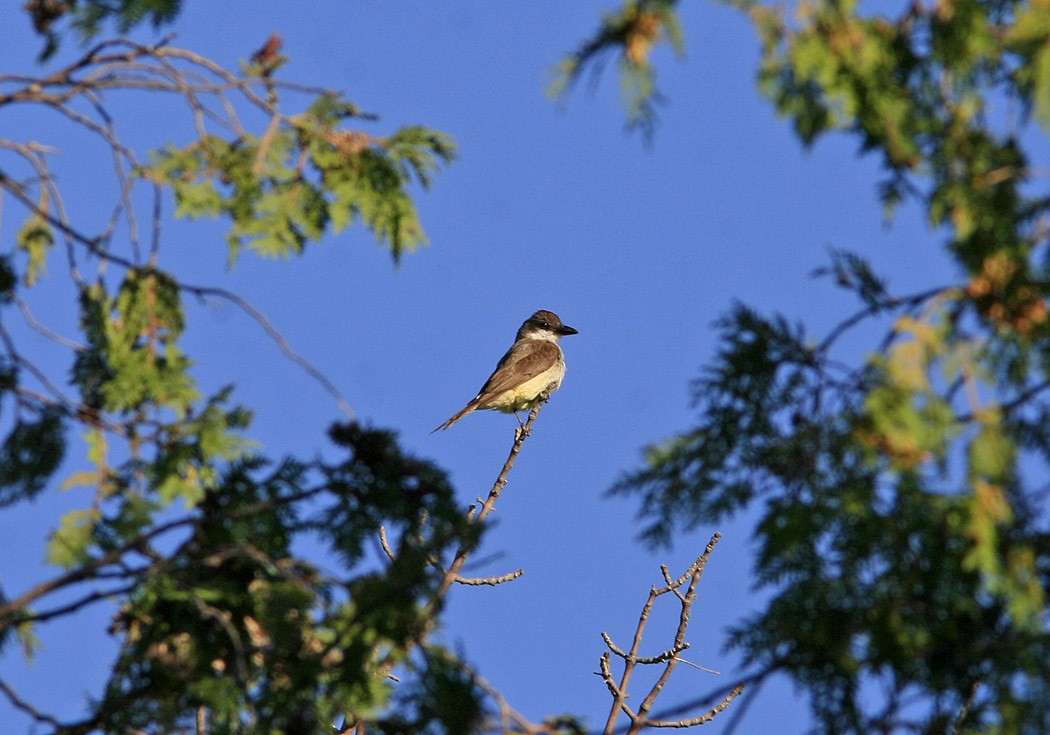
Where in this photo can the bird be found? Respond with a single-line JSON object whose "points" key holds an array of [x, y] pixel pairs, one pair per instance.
{"points": [[532, 369]]}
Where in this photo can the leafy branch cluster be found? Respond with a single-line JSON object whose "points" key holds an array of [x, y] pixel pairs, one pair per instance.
{"points": [[902, 526], [631, 36], [190, 533], [234, 620]]}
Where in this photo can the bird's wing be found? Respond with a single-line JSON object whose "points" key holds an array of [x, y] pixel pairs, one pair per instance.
{"points": [[524, 361]]}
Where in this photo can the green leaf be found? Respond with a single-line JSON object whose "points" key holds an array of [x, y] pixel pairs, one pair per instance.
{"points": [[1041, 78], [69, 544], [991, 451], [30, 455], [26, 633], [8, 279], [35, 239], [179, 486]]}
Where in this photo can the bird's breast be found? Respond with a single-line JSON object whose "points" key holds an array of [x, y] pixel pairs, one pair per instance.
{"points": [[529, 393]]}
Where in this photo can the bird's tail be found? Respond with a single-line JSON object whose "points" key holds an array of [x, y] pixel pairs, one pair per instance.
{"points": [[469, 408]]}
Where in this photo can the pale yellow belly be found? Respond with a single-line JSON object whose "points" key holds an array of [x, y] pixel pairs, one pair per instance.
{"points": [[528, 394]]}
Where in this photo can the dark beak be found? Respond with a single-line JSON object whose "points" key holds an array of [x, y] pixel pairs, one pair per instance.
{"points": [[566, 329]]}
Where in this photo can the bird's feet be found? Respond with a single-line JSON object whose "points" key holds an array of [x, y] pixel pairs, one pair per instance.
{"points": [[522, 431]]}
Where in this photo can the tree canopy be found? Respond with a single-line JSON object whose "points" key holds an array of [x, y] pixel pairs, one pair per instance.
{"points": [[903, 525], [191, 529], [902, 532]]}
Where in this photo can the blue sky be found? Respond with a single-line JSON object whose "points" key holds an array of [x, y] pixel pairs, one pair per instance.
{"points": [[550, 205]]}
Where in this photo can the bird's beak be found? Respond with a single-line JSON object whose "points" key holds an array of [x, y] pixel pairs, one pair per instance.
{"points": [[566, 329]]}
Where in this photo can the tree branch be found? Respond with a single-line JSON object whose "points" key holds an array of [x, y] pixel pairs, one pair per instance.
{"points": [[668, 659]]}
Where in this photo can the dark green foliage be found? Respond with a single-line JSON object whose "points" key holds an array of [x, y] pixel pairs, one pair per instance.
{"points": [[853, 273], [446, 701], [235, 621], [8, 279], [31, 452], [755, 397], [902, 521], [201, 546], [873, 572], [88, 16], [381, 480]]}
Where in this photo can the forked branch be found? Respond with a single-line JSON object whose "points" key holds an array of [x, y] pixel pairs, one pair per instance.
{"points": [[684, 589]]}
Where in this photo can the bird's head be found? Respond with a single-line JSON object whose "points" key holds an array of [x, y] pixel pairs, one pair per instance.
{"points": [[544, 325]]}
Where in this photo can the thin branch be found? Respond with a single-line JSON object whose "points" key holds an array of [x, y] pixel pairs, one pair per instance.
{"points": [[696, 571], [489, 504], [870, 311], [696, 666], [77, 604], [614, 688], [669, 659], [753, 681], [282, 343], [511, 721], [965, 709], [24, 706], [742, 708], [385, 543], [13, 612], [490, 581], [1016, 402], [612, 646], [37, 373], [222, 617], [699, 720], [43, 329]]}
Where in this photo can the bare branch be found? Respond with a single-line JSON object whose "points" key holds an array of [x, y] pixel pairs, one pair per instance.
{"points": [[701, 719], [13, 612], [612, 646], [385, 543], [489, 504], [870, 311], [669, 659], [282, 343], [24, 706], [72, 607], [965, 709], [43, 329], [491, 581]]}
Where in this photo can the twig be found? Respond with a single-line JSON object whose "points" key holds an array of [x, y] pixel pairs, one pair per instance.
{"points": [[282, 343], [694, 721], [43, 329], [751, 680], [491, 581], [889, 303], [489, 503], [669, 659], [965, 709], [24, 706], [385, 543], [741, 710], [78, 604]]}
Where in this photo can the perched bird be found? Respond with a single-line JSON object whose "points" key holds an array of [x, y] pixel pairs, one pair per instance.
{"points": [[531, 370]]}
